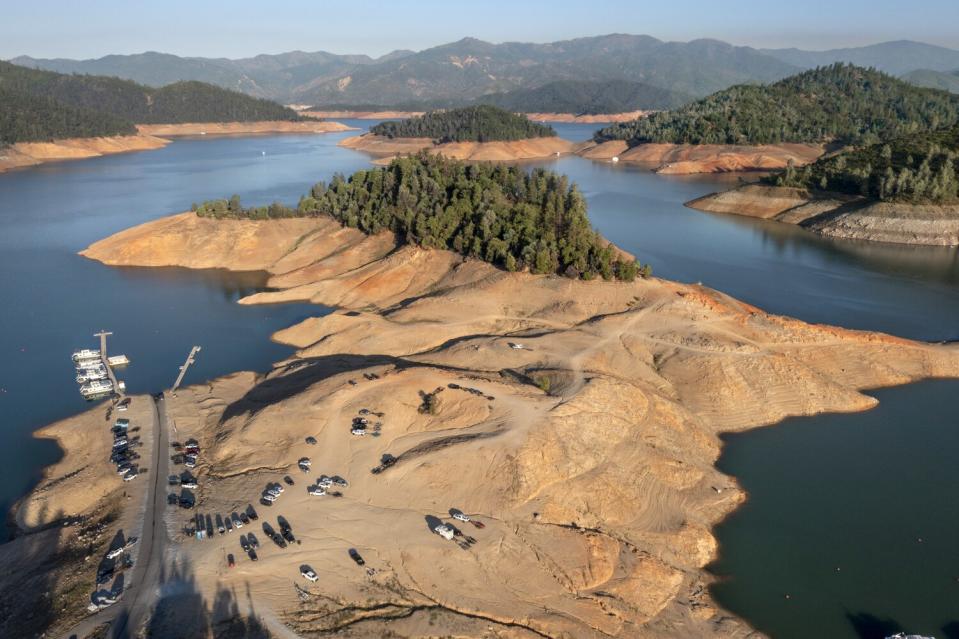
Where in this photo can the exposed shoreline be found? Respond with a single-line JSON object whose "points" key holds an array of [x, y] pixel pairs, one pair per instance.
{"points": [[667, 366], [150, 137], [687, 159], [839, 215], [385, 149], [571, 118]]}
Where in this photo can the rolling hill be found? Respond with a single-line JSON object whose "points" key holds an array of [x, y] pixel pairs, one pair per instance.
{"points": [[918, 169], [943, 80], [583, 97], [43, 105], [839, 103]]}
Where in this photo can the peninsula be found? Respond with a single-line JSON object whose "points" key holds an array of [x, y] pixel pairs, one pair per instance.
{"points": [[767, 127], [905, 191], [482, 133], [576, 417]]}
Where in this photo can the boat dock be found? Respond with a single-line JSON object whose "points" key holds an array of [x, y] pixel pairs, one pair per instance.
{"points": [[93, 365], [106, 361]]}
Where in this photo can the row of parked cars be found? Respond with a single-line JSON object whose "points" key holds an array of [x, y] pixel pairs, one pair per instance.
{"points": [[122, 453]]}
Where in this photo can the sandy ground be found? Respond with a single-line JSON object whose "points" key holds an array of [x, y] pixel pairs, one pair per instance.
{"points": [[385, 149], [841, 216], [588, 453], [67, 524], [541, 117], [25, 154], [682, 159]]}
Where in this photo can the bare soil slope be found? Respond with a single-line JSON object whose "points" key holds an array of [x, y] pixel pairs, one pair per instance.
{"points": [[840, 216], [387, 148], [587, 446], [682, 159]]}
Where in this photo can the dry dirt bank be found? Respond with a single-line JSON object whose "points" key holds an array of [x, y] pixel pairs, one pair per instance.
{"points": [[839, 215], [598, 493], [682, 159], [32, 153], [386, 149]]}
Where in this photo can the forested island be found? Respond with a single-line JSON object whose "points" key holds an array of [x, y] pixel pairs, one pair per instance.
{"points": [[918, 168], [840, 103], [38, 106], [503, 215], [483, 123]]}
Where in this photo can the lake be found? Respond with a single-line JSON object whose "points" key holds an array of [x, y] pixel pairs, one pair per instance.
{"points": [[848, 491]]}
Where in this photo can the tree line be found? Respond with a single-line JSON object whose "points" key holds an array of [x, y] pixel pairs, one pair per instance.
{"points": [[913, 169], [482, 123], [840, 103], [500, 214], [40, 105]]}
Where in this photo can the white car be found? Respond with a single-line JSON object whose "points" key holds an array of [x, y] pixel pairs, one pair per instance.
{"points": [[309, 575], [237, 522], [278, 488], [324, 482], [113, 554], [359, 432], [120, 442], [316, 491], [269, 497], [273, 491], [188, 484], [461, 516], [444, 531], [304, 461], [130, 476]]}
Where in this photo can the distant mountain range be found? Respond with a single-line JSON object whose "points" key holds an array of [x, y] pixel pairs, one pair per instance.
{"points": [[463, 71]]}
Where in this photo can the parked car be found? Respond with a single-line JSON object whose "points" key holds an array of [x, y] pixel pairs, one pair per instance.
{"points": [[230, 561], [237, 522], [174, 480], [311, 440], [308, 574], [355, 556], [268, 497], [289, 480], [252, 555], [461, 516]]}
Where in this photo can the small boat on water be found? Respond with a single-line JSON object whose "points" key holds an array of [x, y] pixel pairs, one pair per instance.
{"points": [[91, 374], [88, 362], [86, 353], [96, 388]]}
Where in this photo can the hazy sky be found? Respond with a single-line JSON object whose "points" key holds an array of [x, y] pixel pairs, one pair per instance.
{"points": [[238, 28]]}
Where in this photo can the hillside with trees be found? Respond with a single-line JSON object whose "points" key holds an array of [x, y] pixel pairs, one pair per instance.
{"points": [[840, 103], [469, 124], [583, 97], [913, 169], [32, 118], [500, 214], [43, 105]]}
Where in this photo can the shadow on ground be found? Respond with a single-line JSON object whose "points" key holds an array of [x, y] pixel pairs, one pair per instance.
{"points": [[183, 612]]}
